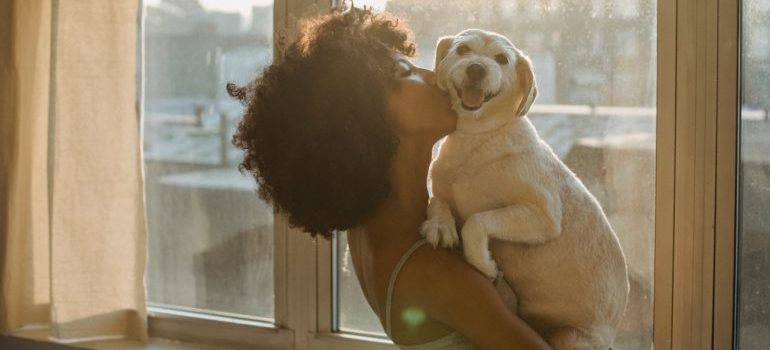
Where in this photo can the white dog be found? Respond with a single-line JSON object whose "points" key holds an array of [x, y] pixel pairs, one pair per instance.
{"points": [[550, 237]]}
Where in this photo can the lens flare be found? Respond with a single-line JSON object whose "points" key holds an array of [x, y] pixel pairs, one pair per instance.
{"points": [[413, 317]]}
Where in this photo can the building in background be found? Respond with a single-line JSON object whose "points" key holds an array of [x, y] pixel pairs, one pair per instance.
{"points": [[210, 237]]}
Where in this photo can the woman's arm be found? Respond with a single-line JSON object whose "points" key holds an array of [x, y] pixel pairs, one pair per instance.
{"points": [[452, 292]]}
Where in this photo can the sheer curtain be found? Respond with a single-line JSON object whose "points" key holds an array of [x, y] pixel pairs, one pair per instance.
{"points": [[72, 227]]}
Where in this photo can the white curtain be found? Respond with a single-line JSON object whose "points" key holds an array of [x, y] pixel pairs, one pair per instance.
{"points": [[72, 227]]}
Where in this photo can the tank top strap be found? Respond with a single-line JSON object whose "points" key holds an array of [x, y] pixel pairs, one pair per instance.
{"points": [[392, 281]]}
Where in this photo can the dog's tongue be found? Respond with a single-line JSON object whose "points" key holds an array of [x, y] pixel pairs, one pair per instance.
{"points": [[472, 97]]}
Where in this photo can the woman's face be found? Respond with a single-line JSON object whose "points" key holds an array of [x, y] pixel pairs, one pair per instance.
{"points": [[417, 106]]}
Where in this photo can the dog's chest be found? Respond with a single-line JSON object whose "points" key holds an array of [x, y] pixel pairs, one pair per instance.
{"points": [[468, 170]]}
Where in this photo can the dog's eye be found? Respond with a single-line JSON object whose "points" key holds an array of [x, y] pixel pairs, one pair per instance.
{"points": [[462, 50], [502, 59]]}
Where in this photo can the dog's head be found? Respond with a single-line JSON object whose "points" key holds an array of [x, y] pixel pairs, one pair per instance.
{"points": [[484, 73]]}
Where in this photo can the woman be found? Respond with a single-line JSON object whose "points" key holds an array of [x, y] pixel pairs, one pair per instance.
{"points": [[338, 135]]}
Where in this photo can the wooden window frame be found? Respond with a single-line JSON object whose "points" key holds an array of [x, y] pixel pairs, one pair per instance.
{"points": [[698, 89], [695, 206]]}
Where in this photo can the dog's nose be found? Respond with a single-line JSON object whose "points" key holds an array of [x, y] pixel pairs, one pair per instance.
{"points": [[476, 72]]}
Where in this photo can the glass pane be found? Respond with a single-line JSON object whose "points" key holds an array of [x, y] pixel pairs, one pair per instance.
{"points": [[210, 237], [754, 216], [595, 63], [355, 316]]}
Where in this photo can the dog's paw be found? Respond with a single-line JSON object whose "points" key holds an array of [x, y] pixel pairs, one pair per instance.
{"points": [[442, 232], [475, 247]]}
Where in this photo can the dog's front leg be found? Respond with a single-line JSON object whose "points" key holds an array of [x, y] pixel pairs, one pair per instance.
{"points": [[519, 223], [440, 226]]}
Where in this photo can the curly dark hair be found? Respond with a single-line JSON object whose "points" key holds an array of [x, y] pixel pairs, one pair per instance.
{"points": [[315, 134]]}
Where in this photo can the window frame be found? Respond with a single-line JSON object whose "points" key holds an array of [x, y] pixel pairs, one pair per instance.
{"points": [[698, 75], [695, 206]]}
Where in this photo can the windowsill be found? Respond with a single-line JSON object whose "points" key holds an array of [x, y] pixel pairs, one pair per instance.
{"points": [[228, 333], [38, 340]]}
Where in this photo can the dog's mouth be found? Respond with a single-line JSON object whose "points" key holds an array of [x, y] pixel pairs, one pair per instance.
{"points": [[472, 98]]}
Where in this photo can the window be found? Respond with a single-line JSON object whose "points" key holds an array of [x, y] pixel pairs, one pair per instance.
{"points": [[210, 237], [627, 98], [353, 313], [753, 296], [596, 108]]}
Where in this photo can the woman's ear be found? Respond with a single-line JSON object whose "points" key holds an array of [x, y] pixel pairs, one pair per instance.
{"points": [[527, 84], [442, 48]]}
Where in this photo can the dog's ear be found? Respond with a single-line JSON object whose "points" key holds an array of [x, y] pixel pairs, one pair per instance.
{"points": [[442, 48], [526, 80]]}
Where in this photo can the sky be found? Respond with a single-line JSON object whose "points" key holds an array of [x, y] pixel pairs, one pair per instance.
{"points": [[241, 6], [244, 6]]}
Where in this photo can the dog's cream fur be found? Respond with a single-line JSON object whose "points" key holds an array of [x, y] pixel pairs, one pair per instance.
{"points": [[550, 237]]}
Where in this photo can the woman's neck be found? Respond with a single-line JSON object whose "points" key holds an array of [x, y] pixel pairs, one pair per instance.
{"points": [[402, 212], [409, 173]]}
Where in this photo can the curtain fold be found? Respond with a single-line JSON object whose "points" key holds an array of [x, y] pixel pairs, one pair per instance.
{"points": [[73, 239], [25, 59]]}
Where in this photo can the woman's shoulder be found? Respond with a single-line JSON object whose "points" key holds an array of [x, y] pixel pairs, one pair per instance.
{"points": [[424, 271], [439, 279]]}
